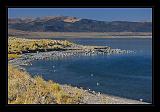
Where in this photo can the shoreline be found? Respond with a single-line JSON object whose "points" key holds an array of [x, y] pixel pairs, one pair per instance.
{"points": [[28, 57], [31, 51], [83, 37], [52, 35], [89, 97], [93, 97], [107, 37]]}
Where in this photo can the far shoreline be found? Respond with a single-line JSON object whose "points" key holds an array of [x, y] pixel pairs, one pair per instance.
{"points": [[50, 35], [89, 37]]}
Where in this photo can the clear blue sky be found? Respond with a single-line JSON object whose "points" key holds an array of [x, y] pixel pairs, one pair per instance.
{"points": [[104, 14]]}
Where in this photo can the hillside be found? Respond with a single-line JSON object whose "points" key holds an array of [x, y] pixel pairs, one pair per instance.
{"points": [[73, 24]]}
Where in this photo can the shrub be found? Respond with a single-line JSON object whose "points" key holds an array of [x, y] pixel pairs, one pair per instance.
{"points": [[63, 98], [66, 43], [54, 87]]}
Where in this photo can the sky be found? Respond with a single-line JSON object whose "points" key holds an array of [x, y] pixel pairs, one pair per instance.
{"points": [[102, 14]]}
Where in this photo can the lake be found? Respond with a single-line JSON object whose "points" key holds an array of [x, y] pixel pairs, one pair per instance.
{"points": [[127, 75]]}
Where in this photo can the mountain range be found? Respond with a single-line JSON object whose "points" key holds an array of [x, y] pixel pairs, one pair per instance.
{"points": [[73, 24]]}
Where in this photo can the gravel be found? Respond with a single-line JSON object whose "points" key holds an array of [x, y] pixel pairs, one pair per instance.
{"points": [[92, 97]]}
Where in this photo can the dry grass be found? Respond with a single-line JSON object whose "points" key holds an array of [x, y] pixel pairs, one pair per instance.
{"points": [[18, 45], [23, 89], [12, 56]]}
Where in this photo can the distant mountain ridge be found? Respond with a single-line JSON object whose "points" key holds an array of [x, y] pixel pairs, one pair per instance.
{"points": [[73, 24]]}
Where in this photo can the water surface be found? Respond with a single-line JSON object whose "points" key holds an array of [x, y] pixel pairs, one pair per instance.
{"points": [[128, 75]]}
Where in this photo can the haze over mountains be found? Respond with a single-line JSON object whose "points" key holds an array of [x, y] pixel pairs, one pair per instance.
{"points": [[73, 24]]}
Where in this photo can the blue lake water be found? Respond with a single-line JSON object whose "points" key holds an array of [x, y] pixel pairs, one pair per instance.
{"points": [[127, 75]]}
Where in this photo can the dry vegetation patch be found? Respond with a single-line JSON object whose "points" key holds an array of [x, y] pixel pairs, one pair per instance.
{"points": [[19, 45], [12, 56], [23, 89]]}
